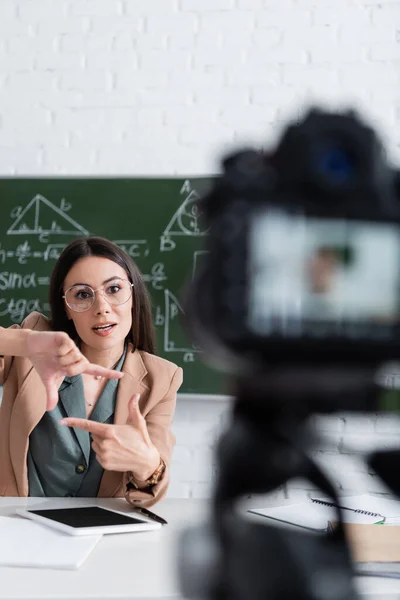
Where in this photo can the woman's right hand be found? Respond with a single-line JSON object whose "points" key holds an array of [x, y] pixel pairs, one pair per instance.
{"points": [[54, 355]]}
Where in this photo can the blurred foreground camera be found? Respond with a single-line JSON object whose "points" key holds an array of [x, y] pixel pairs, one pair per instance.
{"points": [[304, 247], [298, 300]]}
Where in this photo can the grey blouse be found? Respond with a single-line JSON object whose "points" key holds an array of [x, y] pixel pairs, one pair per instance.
{"points": [[60, 459]]}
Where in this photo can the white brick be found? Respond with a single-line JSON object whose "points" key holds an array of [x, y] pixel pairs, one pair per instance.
{"points": [[177, 489], [309, 75], [360, 442], [317, 3], [59, 158], [386, 17], [111, 62], [186, 114], [367, 34], [202, 490], [384, 52], [81, 80], [369, 75], [212, 56], [49, 60], [32, 10], [157, 25], [200, 5], [8, 9], [106, 26], [285, 53], [251, 118], [139, 79], [222, 98], [278, 17], [21, 44], [144, 43], [356, 17], [66, 26], [358, 424], [197, 79], [164, 59], [250, 4], [333, 424], [387, 424], [30, 83], [198, 133], [264, 39], [157, 7], [203, 466], [179, 40], [348, 52], [252, 75], [154, 97], [193, 434], [14, 162], [124, 41], [9, 27], [221, 22], [94, 8], [86, 43], [10, 63], [18, 135], [150, 116]]}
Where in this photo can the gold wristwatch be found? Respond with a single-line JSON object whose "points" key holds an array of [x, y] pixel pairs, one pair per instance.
{"points": [[156, 476], [150, 481]]}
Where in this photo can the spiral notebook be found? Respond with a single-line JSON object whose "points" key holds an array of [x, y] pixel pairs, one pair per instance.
{"points": [[369, 505], [314, 514]]}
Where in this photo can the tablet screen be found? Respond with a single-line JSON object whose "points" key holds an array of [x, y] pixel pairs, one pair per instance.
{"points": [[86, 516]]}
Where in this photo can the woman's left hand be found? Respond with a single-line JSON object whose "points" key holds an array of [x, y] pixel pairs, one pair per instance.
{"points": [[122, 447]]}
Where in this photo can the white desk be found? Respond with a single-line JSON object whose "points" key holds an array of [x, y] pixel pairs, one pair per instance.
{"points": [[137, 566], [129, 566]]}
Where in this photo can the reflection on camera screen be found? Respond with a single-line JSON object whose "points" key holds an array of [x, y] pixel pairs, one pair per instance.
{"points": [[322, 277]]}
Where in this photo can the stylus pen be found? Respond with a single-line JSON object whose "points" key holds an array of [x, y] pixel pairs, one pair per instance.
{"points": [[151, 515]]}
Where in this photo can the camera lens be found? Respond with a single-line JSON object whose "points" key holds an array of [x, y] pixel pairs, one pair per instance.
{"points": [[334, 164]]}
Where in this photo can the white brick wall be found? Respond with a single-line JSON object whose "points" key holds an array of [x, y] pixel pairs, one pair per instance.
{"points": [[161, 87]]}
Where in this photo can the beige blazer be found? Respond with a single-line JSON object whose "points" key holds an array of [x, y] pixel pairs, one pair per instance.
{"points": [[24, 403]]}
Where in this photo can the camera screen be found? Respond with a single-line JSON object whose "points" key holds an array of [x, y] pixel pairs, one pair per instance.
{"points": [[323, 277]]}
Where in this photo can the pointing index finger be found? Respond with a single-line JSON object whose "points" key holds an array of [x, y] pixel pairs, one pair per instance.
{"points": [[86, 425]]}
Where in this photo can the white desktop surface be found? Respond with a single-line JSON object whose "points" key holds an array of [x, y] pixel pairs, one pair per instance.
{"points": [[128, 566]]}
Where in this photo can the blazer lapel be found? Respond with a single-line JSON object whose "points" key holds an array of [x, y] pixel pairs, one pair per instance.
{"points": [[134, 371]]}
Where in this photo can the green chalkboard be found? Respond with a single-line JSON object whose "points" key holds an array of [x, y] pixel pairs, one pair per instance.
{"points": [[154, 220]]}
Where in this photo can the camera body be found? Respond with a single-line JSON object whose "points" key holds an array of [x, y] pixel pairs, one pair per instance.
{"points": [[304, 251]]}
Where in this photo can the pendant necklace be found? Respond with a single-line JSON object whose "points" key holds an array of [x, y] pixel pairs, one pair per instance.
{"points": [[98, 377]]}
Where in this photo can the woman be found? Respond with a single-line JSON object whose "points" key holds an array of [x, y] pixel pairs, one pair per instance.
{"points": [[87, 406]]}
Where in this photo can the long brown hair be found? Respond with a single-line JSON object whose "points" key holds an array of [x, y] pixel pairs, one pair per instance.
{"points": [[142, 334]]}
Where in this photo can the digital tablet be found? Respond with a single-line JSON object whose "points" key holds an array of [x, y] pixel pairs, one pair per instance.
{"points": [[88, 520]]}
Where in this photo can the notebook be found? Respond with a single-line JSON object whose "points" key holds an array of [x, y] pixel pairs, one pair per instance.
{"points": [[314, 514], [370, 505], [25, 543]]}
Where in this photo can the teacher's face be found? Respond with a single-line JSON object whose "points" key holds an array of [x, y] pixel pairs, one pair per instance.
{"points": [[104, 325]]}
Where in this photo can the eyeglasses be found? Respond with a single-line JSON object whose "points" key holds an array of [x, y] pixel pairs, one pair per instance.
{"points": [[82, 297]]}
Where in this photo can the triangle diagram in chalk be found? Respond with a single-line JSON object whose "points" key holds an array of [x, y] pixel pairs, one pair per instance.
{"points": [[40, 216]]}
